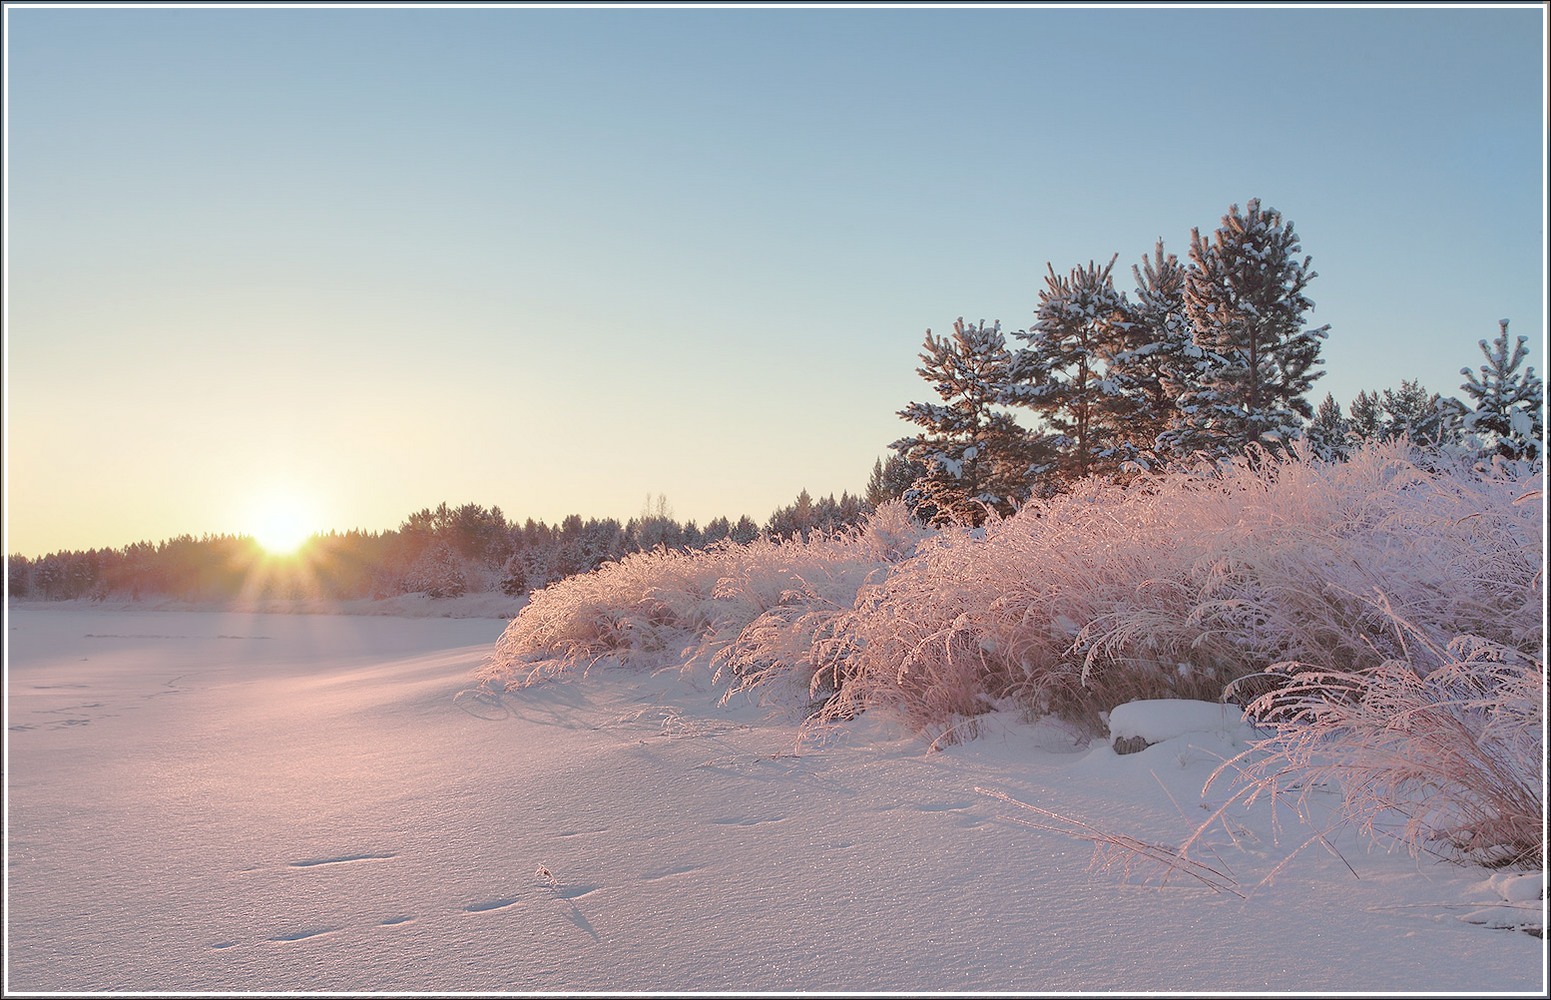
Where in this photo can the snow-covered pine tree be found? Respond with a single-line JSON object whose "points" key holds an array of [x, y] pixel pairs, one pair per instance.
{"points": [[1328, 432], [439, 572], [1365, 418], [744, 531], [976, 457], [794, 520], [1424, 418], [716, 529], [1244, 295], [1061, 373], [1158, 362], [1508, 403], [890, 479]]}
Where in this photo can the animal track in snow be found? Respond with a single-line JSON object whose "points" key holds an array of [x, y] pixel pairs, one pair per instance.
{"points": [[171, 686], [746, 821], [343, 859], [657, 876], [302, 935]]}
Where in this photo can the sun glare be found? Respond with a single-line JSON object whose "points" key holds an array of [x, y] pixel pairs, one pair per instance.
{"points": [[282, 531]]}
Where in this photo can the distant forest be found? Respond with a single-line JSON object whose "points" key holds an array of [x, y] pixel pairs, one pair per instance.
{"points": [[1207, 359], [443, 552]]}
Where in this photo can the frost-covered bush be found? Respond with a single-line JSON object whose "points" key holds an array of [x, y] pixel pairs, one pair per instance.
{"points": [[438, 572], [1383, 617], [1439, 750], [1174, 585], [752, 610]]}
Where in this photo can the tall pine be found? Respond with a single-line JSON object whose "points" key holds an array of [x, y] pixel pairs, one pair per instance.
{"points": [[977, 458], [1245, 297], [1062, 372], [1158, 362]]}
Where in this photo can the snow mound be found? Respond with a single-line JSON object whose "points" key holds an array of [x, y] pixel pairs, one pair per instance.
{"points": [[1159, 719], [1519, 887]]}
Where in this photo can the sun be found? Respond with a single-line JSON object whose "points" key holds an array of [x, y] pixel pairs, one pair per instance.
{"points": [[282, 529]]}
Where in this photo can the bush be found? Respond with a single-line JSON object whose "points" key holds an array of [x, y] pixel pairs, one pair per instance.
{"points": [[1174, 585], [1382, 616], [751, 611], [439, 572], [1440, 750]]}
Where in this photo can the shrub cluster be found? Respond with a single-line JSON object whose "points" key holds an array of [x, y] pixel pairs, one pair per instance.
{"points": [[1348, 604]]}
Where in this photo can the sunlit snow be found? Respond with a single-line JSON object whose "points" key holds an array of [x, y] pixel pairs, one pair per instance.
{"points": [[210, 801]]}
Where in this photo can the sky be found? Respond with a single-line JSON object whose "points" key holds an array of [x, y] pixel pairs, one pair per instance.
{"points": [[354, 262]]}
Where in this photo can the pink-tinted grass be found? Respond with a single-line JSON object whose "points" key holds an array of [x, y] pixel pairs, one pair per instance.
{"points": [[1440, 751], [751, 612], [1177, 584], [1131, 856]]}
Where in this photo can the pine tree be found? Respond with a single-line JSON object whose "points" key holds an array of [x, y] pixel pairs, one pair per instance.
{"points": [[977, 458], [439, 572], [1508, 404], [890, 480], [1365, 418], [717, 529], [1079, 326], [1425, 419], [1244, 295], [744, 531], [795, 520], [1328, 433], [1158, 362]]}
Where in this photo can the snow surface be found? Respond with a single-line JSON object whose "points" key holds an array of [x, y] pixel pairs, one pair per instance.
{"points": [[1161, 719], [248, 802]]}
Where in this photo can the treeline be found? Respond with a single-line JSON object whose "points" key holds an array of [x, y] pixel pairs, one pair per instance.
{"points": [[1207, 359], [443, 552]]}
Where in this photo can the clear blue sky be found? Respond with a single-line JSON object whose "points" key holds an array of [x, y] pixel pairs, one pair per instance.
{"points": [[368, 260]]}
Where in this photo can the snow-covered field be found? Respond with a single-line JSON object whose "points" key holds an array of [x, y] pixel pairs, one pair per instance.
{"points": [[202, 801]]}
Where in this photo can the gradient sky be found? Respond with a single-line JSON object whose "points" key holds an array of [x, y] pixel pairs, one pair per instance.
{"points": [[556, 260]]}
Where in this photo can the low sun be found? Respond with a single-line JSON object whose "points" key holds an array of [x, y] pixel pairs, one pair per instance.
{"points": [[281, 530]]}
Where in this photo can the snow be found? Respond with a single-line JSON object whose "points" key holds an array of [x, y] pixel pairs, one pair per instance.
{"points": [[253, 802], [1161, 719]]}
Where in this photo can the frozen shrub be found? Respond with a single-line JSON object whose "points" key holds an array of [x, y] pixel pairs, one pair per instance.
{"points": [[1174, 585], [1383, 616], [439, 572], [1440, 750], [750, 610]]}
